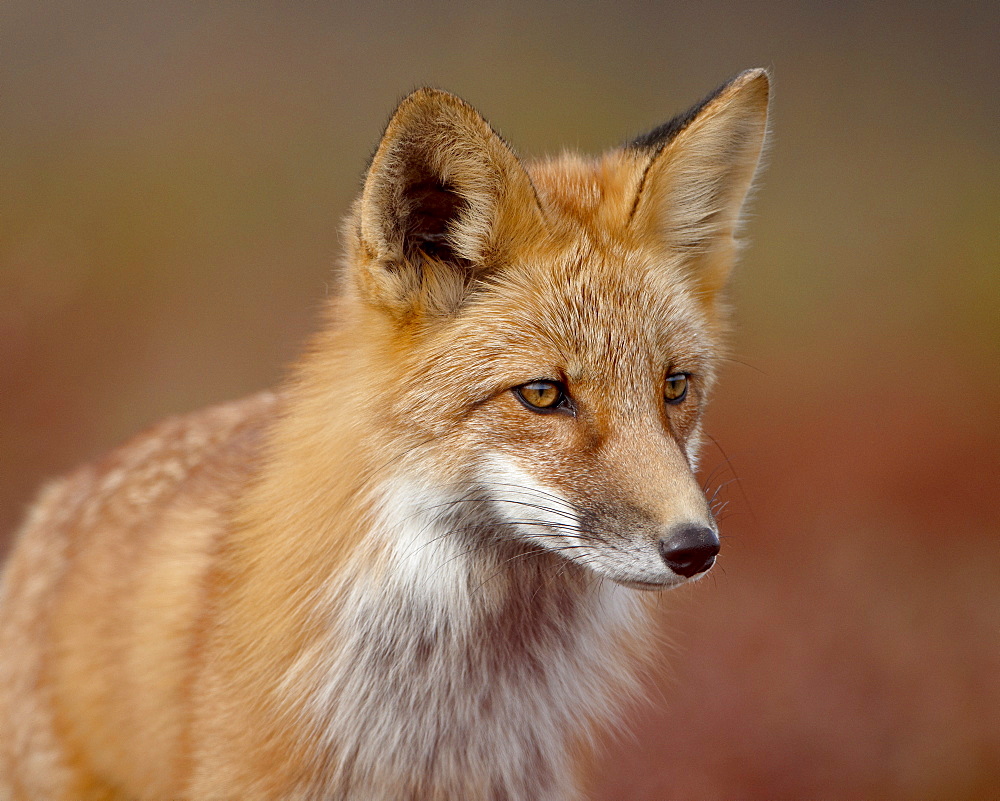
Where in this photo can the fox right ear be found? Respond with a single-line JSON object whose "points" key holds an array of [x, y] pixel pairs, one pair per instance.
{"points": [[699, 168], [444, 201]]}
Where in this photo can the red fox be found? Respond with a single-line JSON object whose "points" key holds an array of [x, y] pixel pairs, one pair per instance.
{"points": [[414, 571]]}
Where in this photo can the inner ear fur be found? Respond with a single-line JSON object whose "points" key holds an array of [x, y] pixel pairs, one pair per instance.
{"points": [[700, 167], [445, 200]]}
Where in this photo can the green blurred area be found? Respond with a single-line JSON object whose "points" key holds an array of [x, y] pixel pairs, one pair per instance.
{"points": [[172, 179]]}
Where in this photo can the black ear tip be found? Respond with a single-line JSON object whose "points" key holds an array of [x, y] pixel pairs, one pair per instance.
{"points": [[662, 135]]}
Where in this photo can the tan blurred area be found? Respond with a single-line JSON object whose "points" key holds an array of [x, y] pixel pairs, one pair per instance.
{"points": [[172, 178]]}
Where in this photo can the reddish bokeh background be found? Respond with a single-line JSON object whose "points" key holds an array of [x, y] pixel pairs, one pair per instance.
{"points": [[171, 183]]}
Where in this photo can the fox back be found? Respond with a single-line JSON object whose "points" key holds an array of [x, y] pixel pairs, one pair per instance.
{"points": [[421, 568]]}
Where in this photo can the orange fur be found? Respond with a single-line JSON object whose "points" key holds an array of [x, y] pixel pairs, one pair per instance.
{"points": [[393, 579]]}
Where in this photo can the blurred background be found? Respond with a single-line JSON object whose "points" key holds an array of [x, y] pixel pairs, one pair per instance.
{"points": [[172, 179]]}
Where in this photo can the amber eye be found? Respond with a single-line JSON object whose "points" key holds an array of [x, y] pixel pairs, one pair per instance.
{"points": [[542, 396], [675, 388]]}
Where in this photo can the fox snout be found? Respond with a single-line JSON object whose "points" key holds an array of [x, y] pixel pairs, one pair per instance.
{"points": [[690, 549]]}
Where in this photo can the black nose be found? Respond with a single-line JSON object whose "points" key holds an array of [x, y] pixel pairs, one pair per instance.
{"points": [[690, 550]]}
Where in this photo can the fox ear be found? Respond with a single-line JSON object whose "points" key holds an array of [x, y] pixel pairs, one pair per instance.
{"points": [[444, 202], [699, 171]]}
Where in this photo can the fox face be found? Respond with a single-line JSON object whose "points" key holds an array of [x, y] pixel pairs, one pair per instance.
{"points": [[552, 328], [589, 434]]}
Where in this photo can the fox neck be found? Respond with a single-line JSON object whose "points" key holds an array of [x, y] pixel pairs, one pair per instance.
{"points": [[449, 647]]}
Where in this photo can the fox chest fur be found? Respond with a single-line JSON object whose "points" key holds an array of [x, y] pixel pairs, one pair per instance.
{"points": [[422, 568]]}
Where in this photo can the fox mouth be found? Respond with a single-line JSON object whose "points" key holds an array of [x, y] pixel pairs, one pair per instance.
{"points": [[648, 586]]}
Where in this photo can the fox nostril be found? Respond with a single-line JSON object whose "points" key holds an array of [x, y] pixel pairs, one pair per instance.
{"points": [[690, 550]]}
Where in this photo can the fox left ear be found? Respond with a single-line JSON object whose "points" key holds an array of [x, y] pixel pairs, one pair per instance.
{"points": [[700, 168], [444, 203]]}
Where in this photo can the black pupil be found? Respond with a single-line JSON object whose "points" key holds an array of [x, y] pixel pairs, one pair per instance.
{"points": [[541, 395]]}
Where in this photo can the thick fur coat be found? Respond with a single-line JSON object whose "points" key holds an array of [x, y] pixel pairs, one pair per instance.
{"points": [[415, 571]]}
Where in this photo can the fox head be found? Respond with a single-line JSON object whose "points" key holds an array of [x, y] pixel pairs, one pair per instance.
{"points": [[540, 338]]}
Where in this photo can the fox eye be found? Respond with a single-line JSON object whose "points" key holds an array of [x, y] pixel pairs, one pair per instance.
{"points": [[542, 396], [675, 388]]}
